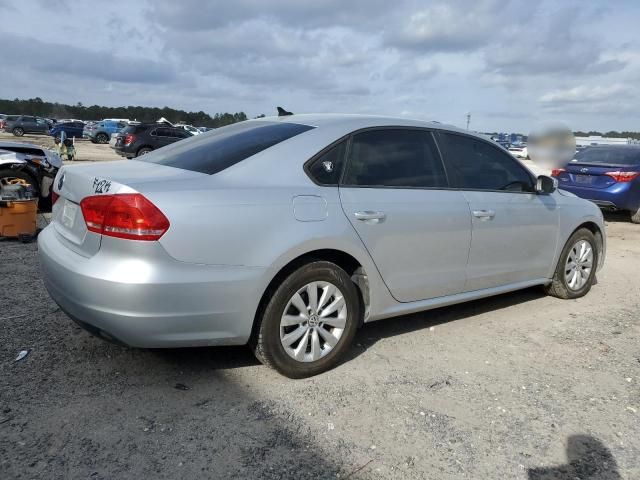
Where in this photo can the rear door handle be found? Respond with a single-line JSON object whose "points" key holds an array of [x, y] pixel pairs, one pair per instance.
{"points": [[484, 214], [370, 215]]}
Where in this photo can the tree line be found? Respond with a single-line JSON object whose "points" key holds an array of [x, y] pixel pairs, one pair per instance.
{"points": [[38, 107]]}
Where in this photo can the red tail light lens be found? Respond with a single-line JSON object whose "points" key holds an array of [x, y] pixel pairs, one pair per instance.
{"points": [[129, 139], [623, 176], [128, 215], [557, 171], [54, 198]]}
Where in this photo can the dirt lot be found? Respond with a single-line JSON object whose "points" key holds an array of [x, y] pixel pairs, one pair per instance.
{"points": [[85, 150], [520, 386]]}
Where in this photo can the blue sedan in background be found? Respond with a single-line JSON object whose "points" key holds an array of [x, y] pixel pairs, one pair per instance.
{"points": [[71, 129], [609, 176]]}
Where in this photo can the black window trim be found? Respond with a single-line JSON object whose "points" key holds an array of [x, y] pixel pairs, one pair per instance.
{"points": [[307, 165], [488, 142]]}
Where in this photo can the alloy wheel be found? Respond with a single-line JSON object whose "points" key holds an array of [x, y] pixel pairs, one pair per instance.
{"points": [[313, 321], [579, 265]]}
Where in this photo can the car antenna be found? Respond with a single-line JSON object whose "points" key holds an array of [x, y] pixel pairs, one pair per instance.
{"points": [[282, 112]]}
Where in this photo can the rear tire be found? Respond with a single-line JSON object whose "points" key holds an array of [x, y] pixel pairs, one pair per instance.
{"points": [[635, 217], [576, 269], [321, 339], [144, 151], [18, 132], [102, 138]]}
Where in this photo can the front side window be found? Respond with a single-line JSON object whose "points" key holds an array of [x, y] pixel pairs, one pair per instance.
{"points": [[476, 165], [395, 158], [327, 168], [219, 149]]}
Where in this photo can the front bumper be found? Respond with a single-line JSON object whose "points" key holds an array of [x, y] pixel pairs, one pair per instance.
{"points": [[136, 294]]}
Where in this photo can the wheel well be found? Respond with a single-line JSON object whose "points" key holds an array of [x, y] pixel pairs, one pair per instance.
{"points": [[142, 148], [345, 261], [595, 229]]}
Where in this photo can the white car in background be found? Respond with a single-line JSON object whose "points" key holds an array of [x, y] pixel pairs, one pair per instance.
{"points": [[519, 151], [190, 128]]}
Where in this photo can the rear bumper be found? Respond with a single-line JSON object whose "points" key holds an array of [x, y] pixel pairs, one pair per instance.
{"points": [[139, 296], [620, 196]]}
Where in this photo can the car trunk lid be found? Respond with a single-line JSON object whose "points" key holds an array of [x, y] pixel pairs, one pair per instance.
{"points": [[74, 183], [589, 175]]}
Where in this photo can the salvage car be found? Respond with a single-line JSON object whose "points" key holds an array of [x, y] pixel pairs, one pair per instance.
{"points": [[608, 175], [289, 233], [31, 164]]}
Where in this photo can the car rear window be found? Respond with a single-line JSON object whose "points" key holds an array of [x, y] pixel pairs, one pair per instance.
{"points": [[609, 156], [134, 129], [219, 149]]}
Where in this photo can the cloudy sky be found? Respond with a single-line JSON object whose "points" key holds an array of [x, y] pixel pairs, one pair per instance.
{"points": [[509, 63]]}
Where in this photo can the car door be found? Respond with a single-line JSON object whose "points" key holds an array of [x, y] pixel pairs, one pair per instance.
{"points": [[514, 229], [41, 125], [28, 124], [396, 195]]}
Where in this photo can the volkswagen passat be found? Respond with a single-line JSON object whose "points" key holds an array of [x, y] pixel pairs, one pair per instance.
{"points": [[289, 233]]}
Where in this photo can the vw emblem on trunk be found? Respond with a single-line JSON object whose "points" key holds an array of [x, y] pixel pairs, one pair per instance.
{"points": [[584, 170], [61, 182]]}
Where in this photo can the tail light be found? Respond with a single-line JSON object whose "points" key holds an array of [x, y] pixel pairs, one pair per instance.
{"points": [[126, 215], [557, 171], [54, 198], [129, 139], [623, 177]]}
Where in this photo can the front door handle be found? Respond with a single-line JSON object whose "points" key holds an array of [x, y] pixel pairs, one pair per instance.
{"points": [[369, 215], [484, 214]]}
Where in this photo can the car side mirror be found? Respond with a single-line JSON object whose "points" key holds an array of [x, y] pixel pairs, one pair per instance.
{"points": [[546, 185]]}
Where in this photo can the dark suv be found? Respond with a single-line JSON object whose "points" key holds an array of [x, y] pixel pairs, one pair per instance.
{"points": [[22, 124], [136, 140]]}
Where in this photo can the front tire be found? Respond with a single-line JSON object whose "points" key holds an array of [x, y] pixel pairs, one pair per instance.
{"points": [[18, 132], [309, 322], [576, 269], [102, 138]]}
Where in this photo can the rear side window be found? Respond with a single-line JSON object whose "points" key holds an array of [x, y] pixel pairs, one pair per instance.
{"points": [[395, 158], [215, 151], [477, 165], [134, 129], [327, 168]]}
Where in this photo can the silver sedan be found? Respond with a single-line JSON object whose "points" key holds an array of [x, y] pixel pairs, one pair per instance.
{"points": [[288, 233]]}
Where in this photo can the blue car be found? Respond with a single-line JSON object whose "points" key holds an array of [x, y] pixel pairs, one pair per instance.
{"points": [[100, 132], [609, 176], [71, 129]]}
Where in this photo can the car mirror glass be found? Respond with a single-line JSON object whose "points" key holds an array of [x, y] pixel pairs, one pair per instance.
{"points": [[546, 185]]}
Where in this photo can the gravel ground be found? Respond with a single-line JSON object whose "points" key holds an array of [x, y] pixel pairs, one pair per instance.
{"points": [[519, 386], [85, 150]]}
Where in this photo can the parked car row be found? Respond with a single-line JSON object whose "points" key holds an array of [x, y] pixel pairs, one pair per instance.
{"points": [[96, 131]]}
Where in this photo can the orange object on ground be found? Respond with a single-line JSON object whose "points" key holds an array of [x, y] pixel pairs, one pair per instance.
{"points": [[18, 217]]}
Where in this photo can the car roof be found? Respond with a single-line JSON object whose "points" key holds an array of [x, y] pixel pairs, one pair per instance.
{"points": [[356, 122]]}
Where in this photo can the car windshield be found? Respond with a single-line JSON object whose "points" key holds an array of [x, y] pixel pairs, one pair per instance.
{"points": [[609, 156], [214, 151]]}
